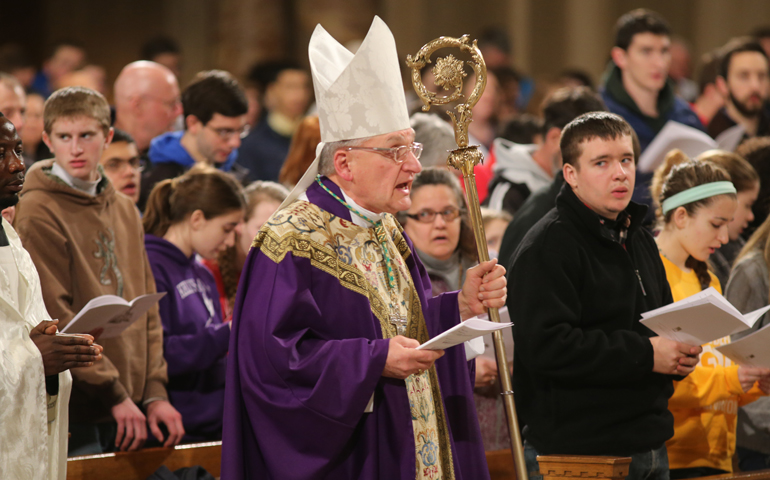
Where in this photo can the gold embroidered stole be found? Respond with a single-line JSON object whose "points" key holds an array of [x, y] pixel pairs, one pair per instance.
{"points": [[353, 255]]}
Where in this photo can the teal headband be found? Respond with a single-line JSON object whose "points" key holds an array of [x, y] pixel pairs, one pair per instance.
{"points": [[697, 193]]}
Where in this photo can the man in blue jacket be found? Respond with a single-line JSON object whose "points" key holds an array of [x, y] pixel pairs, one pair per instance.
{"points": [[215, 107], [636, 84]]}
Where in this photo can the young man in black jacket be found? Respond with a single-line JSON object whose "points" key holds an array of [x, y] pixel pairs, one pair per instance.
{"points": [[589, 378]]}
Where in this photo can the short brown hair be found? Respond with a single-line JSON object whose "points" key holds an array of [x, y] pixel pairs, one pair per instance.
{"points": [[734, 46], [72, 102], [568, 103], [603, 125], [639, 21]]}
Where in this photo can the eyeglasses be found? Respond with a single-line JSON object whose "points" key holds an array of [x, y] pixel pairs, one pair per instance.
{"points": [[228, 133], [115, 165], [428, 216], [397, 154]]}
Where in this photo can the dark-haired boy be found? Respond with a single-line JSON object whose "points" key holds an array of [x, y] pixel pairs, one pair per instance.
{"points": [[86, 240], [637, 86], [744, 82], [123, 165], [214, 106], [589, 379]]}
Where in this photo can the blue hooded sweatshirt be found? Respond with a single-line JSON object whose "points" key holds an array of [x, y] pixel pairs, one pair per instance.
{"points": [[167, 148], [195, 341]]}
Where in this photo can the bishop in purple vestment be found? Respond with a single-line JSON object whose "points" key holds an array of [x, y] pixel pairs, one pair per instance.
{"points": [[321, 382]]}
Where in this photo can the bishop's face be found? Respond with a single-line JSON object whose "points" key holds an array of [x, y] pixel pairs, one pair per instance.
{"points": [[379, 183]]}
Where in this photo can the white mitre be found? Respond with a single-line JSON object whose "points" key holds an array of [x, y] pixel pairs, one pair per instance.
{"points": [[357, 96]]}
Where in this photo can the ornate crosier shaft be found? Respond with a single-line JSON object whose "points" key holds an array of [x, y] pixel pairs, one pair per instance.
{"points": [[449, 75]]}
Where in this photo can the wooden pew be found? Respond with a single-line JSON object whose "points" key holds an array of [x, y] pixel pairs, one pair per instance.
{"points": [[501, 467], [141, 464]]}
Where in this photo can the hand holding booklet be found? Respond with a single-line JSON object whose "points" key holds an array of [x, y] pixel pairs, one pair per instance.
{"points": [[462, 332], [112, 313], [700, 318]]}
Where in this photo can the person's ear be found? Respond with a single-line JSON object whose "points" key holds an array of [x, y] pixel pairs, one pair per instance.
{"points": [[136, 104], [619, 56], [680, 217], [197, 219], [194, 125], [721, 85], [570, 175], [342, 165], [47, 140], [108, 137]]}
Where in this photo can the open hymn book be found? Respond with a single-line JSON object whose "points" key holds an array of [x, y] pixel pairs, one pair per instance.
{"points": [[112, 313], [700, 318]]}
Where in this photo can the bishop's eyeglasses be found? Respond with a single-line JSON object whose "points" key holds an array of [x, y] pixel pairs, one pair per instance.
{"points": [[428, 216], [397, 154]]}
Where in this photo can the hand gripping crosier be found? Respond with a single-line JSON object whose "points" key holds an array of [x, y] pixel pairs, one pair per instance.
{"points": [[449, 74]]}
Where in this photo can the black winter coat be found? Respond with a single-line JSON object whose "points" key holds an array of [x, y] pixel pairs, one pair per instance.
{"points": [[583, 378]]}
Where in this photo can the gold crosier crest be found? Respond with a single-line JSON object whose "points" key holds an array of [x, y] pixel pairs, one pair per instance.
{"points": [[449, 73]]}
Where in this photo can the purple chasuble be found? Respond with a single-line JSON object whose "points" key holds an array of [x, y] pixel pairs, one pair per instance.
{"points": [[306, 355]]}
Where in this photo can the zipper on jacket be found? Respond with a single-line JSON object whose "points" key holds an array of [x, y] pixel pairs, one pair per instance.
{"points": [[640, 282]]}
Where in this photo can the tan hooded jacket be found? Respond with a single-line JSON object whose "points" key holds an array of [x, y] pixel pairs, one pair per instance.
{"points": [[84, 246]]}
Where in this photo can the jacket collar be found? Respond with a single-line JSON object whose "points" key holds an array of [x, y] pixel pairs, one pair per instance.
{"points": [[592, 222], [665, 103], [318, 196]]}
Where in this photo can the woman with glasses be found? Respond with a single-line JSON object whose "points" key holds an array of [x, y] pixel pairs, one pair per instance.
{"points": [[437, 223]]}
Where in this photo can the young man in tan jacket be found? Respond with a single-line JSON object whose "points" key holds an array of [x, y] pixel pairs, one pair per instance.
{"points": [[86, 240]]}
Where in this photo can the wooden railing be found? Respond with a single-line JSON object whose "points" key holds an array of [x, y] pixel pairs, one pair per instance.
{"points": [[141, 464]]}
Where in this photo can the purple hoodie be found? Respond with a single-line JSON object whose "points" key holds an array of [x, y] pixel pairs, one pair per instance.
{"points": [[195, 341]]}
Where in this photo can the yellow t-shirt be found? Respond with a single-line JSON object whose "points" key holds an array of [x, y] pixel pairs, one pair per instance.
{"points": [[705, 404]]}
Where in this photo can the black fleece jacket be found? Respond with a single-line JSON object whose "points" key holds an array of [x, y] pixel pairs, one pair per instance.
{"points": [[583, 378]]}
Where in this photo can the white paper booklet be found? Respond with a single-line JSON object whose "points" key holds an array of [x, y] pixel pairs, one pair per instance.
{"points": [[489, 345], [730, 138], [751, 350], [462, 332], [112, 313], [673, 135], [700, 318]]}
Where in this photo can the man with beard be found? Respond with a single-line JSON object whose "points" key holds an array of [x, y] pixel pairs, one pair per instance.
{"points": [[33, 367], [743, 81]]}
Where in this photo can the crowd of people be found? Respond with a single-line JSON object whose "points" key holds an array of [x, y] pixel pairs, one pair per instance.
{"points": [[290, 320]]}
